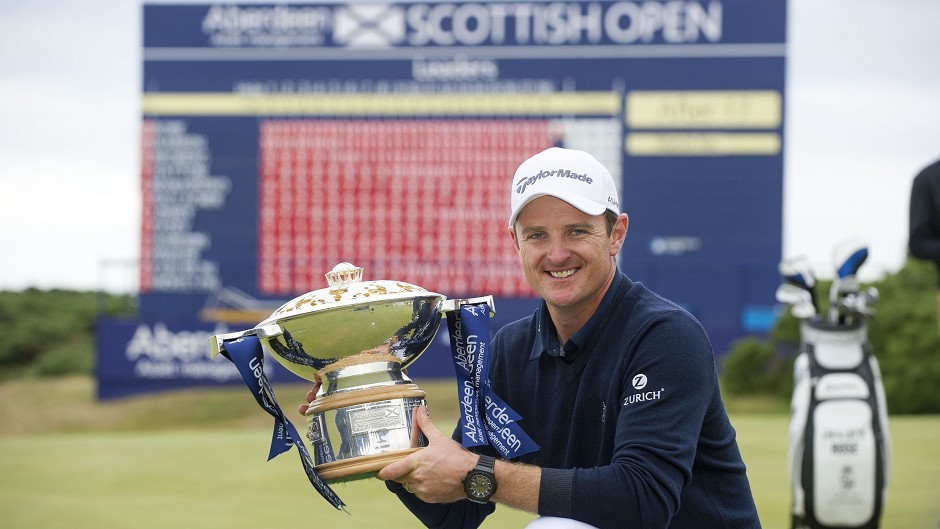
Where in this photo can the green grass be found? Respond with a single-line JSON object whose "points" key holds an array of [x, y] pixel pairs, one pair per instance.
{"points": [[114, 468]]}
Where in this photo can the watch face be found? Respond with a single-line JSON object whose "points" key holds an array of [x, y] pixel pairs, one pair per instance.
{"points": [[480, 486]]}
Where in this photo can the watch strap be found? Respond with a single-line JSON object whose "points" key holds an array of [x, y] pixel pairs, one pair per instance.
{"points": [[487, 464]]}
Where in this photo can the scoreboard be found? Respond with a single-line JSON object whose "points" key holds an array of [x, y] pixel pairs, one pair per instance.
{"points": [[281, 139]]}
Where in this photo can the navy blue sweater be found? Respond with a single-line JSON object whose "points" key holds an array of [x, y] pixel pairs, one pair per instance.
{"points": [[631, 426], [924, 240]]}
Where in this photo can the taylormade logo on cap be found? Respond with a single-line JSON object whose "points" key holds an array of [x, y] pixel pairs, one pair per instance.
{"points": [[567, 174], [561, 173]]}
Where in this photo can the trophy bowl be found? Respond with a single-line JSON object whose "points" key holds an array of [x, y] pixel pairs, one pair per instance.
{"points": [[357, 336]]}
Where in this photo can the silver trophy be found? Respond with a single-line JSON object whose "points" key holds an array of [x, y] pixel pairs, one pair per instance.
{"points": [[358, 336]]}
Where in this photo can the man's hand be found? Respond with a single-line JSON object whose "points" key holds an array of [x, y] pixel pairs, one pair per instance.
{"points": [[311, 395], [435, 473]]}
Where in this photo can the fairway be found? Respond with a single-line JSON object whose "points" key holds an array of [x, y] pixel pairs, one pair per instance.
{"points": [[218, 478], [206, 479]]}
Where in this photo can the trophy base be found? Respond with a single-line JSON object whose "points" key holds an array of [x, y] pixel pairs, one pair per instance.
{"points": [[360, 467], [357, 433]]}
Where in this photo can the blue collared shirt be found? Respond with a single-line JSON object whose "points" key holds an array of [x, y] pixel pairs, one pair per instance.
{"points": [[546, 339]]}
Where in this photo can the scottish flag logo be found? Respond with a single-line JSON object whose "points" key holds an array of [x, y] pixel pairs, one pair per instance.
{"points": [[369, 25]]}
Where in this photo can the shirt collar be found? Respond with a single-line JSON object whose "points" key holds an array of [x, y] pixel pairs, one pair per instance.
{"points": [[546, 339]]}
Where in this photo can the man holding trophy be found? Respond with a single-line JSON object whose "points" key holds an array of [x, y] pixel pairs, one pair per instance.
{"points": [[616, 386]]}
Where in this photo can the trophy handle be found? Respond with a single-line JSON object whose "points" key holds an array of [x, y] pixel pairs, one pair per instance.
{"points": [[217, 342], [450, 305]]}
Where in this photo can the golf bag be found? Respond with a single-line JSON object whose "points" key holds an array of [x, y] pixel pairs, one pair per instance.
{"points": [[839, 444]]}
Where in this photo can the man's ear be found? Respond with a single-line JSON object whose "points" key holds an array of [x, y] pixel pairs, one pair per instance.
{"points": [[619, 233], [512, 235]]}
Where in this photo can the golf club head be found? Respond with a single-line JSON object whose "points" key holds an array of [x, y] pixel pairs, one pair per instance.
{"points": [[868, 298], [797, 271], [791, 294], [848, 257], [800, 300], [861, 303], [849, 306], [804, 310]]}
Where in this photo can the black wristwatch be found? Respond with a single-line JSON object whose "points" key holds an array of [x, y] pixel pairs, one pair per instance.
{"points": [[480, 483]]}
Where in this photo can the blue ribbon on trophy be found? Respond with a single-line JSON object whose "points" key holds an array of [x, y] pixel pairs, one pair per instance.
{"points": [[484, 417], [248, 356]]}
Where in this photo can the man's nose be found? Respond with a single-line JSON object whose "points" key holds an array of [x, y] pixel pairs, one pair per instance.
{"points": [[558, 251]]}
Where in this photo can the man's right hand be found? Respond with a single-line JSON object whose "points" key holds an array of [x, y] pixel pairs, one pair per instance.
{"points": [[311, 395]]}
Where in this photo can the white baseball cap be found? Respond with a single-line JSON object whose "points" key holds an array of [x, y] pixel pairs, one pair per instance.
{"points": [[573, 176]]}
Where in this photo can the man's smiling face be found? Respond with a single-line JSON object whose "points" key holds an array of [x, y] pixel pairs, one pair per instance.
{"points": [[566, 254]]}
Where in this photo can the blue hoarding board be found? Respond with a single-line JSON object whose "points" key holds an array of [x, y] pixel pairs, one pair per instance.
{"points": [[145, 356], [279, 140]]}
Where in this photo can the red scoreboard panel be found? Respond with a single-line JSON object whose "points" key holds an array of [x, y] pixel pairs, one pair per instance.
{"points": [[424, 201]]}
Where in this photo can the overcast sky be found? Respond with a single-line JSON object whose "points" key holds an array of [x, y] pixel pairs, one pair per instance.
{"points": [[862, 118]]}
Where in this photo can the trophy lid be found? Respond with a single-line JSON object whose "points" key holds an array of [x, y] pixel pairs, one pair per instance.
{"points": [[346, 289]]}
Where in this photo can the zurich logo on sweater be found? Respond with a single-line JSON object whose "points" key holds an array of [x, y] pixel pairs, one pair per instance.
{"points": [[639, 382]]}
